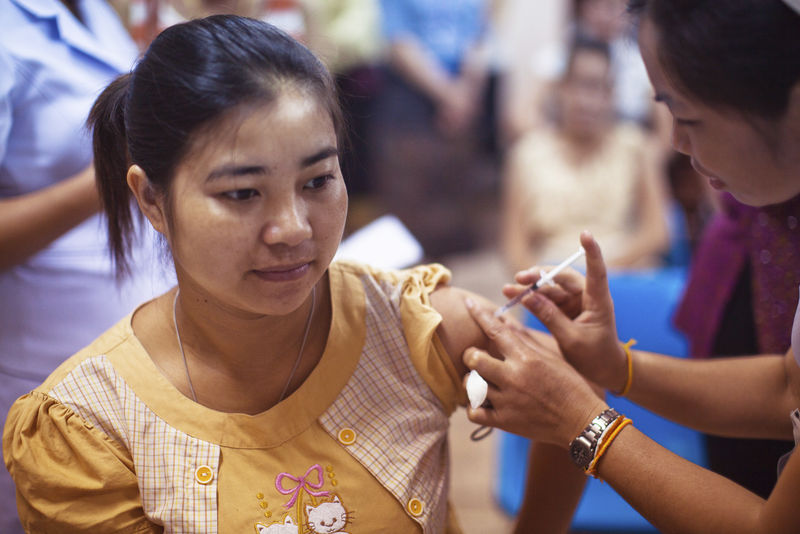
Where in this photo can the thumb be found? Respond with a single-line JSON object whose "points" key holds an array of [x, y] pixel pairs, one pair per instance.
{"points": [[596, 292]]}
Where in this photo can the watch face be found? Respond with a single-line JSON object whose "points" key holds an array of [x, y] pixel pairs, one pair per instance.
{"points": [[580, 452]]}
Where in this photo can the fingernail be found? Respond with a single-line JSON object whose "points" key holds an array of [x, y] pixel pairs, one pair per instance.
{"points": [[534, 300], [469, 303]]}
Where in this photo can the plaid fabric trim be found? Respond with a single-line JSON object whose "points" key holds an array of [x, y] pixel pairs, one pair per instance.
{"points": [[165, 459], [401, 426]]}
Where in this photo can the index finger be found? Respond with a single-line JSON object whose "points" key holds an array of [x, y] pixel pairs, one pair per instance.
{"points": [[495, 328], [597, 291]]}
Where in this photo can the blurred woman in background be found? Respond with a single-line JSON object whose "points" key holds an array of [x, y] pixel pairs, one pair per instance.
{"points": [[588, 170]]}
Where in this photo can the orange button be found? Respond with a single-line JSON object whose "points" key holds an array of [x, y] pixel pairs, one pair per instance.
{"points": [[415, 507], [347, 436], [204, 474]]}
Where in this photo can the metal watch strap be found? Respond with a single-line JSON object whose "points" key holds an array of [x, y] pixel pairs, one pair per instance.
{"points": [[583, 448]]}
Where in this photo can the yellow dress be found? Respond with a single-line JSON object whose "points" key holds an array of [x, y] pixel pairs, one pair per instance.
{"points": [[107, 444]]}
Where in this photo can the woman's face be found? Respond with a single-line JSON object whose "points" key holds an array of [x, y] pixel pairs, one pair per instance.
{"points": [[585, 97], [732, 152], [259, 205]]}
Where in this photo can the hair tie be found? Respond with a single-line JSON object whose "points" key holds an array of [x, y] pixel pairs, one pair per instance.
{"points": [[794, 4]]}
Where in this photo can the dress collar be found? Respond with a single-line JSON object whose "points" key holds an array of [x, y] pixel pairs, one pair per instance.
{"points": [[280, 423], [102, 37]]}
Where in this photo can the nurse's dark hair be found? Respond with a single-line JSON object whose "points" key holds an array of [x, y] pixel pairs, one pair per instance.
{"points": [[738, 55], [191, 75]]}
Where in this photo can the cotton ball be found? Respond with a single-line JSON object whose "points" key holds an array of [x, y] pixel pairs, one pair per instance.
{"points": [[477, 388]]}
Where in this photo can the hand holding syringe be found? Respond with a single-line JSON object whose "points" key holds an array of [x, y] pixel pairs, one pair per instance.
{"points": [[546, 278], [477, 388]]}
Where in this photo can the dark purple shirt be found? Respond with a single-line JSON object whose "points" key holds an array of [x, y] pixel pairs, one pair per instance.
{"points": [[767, 237]]}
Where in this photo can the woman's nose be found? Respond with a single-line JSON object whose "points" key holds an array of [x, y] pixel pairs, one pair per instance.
{"points": [[288, 225], [680, 140]]}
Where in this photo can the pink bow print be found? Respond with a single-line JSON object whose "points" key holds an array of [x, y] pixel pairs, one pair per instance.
{"points": [[302, 484]]}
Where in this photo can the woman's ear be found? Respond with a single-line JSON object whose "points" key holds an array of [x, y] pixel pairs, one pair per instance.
{"points": [[149, 201]]}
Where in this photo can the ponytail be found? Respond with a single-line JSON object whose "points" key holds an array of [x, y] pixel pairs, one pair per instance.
{"points": [[111, 162]]}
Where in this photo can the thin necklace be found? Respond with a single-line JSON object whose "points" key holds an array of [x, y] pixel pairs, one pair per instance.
{"points": [[296, 362]]}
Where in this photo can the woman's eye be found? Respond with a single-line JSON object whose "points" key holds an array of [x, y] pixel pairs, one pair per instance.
{"points": [[318, 182], [687, 122], [240, 194]]}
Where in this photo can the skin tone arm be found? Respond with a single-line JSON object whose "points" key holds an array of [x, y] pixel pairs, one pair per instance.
{"points": [[555, 485], [456, 98], [743, 397], [536, 393], [516, 240], [29, 223]]}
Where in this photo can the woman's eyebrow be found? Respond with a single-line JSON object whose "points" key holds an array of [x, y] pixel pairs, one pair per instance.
{"points": [[233, 170], [236, 170], [323, 154]]}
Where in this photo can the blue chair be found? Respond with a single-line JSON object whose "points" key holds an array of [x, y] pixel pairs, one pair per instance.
{"points": [[644, 303]]}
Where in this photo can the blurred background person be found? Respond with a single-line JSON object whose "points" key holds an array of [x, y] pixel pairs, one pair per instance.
{"points": [[586, 170], [58, 290], [531, 100], [147, 18], [432, 166], [346, 35]]}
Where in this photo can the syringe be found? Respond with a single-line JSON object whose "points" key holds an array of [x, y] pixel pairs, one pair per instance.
{"points": [[547, 277]]}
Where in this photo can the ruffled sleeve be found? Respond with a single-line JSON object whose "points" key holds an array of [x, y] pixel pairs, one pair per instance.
{"points": [[70, 476], [420, 321]]}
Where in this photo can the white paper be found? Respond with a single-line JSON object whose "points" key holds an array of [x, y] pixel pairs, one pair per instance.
{"points": [[384, 243]]}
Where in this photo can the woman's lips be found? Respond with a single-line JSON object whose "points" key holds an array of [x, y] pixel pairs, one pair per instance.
{"points": [[283, 274]]}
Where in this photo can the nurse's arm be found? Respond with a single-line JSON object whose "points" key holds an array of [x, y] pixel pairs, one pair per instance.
{"points": [[736, 397], [30, 222], [677, 496], [554, 483]]}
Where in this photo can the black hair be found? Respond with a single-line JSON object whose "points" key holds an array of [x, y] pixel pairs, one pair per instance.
{"points": [[191, 74], [740, 55]]}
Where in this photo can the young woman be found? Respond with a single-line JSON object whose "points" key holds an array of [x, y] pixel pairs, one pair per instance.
{"points": [[729, 73], [271, 391]]}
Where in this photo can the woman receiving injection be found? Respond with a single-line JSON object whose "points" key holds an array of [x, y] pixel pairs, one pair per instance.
{"points": [[272, 389]]}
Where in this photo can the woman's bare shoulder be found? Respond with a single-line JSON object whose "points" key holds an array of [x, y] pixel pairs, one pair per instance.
{"points": [[458, 330]]}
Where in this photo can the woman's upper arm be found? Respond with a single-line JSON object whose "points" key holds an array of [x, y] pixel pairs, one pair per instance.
{"points": [[70, 476], [458, 330]]}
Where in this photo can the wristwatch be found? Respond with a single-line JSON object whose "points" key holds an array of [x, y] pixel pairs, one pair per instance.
{"points": [[583, 448]]}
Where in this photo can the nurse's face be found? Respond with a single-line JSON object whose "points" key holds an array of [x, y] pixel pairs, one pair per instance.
{"points": [[730, 150], [258, 206]]}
